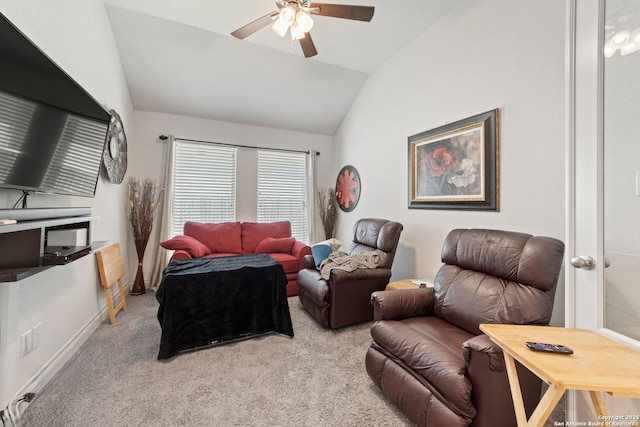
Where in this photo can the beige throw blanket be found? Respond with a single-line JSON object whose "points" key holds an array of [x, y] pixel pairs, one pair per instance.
{"points": [[342, 261]]}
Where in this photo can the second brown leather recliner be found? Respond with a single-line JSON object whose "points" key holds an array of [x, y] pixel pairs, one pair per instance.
{"points": [[428, 354], [345, 297]]}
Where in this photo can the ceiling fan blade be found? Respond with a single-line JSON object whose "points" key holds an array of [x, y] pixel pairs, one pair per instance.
{"points": [[345, 11], [254, 26], [308, 48]]}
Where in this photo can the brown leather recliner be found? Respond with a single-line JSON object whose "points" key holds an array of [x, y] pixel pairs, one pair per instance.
{"points": [[428, 354], [345, 298]]}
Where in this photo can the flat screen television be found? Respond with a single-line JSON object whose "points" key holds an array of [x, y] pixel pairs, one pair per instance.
{"points": [[52, 132]]}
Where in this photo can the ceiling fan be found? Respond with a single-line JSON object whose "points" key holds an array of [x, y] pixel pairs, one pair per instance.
{"points": [[295, 15]]}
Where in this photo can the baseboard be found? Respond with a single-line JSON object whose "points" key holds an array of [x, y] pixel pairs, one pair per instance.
{"points": [[48, 371]]}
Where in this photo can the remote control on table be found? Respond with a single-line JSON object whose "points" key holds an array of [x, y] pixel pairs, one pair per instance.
{"points": [[549, 348]]}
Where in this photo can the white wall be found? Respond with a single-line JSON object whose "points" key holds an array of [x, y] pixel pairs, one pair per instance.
{"points": [[67, 300], [485, 54]]}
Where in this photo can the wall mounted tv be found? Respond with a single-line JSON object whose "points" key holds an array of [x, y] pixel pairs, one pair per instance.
{"points": [[52, 132]]}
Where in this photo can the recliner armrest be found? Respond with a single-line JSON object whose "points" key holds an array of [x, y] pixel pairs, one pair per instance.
{"points": [[483, 344], [340, 276], [309, 262], [401, 304]]}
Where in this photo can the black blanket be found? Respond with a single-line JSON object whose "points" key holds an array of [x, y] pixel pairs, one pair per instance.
{"points": [[207, 300]]}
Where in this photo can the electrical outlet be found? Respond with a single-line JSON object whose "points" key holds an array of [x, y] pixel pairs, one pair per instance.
{"points": [[36, 335], [23, 345], [26, 343]]}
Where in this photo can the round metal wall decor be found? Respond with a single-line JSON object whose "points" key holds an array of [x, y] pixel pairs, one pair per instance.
{"points": [[348, 188], [114, 154]]}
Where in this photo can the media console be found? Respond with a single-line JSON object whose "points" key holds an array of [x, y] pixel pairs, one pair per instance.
{"points": [[24, 248]]}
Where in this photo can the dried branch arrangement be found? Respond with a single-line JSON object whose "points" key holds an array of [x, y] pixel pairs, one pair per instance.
{"points": [[142, 211], [328, 210]]}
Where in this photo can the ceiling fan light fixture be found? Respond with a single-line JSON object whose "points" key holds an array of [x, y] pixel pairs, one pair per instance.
{"points": [[296, 14], [280, 27], [297, 32], [608, 51], [304, 21], [619, 39], [288, 15], [285, 20], [628, 48]]}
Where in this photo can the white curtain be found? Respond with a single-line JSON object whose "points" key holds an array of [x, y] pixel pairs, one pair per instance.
{"points": [[165, 217], [312, 190]]}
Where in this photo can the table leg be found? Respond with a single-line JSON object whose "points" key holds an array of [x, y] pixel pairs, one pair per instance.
{"points": [[598, 403], [549, 401], [516, 394]]}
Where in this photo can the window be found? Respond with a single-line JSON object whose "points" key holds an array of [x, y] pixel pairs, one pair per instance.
{"points": [[282, 190], [204, 185]]}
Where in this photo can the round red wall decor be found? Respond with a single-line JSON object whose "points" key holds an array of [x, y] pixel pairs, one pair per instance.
{"points": [[348, 188]]}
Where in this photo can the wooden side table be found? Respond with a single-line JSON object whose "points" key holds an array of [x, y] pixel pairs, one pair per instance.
{"points": [[408, 284], [598, 364]]}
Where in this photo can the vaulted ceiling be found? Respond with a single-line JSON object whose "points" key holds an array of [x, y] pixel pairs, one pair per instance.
{"points": [[179, 58]]}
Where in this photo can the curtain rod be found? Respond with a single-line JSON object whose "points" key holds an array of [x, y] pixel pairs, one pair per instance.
{"points": [[165, 137]]}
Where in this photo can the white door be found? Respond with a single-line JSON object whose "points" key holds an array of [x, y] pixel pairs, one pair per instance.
{"points": [[603, 209]]}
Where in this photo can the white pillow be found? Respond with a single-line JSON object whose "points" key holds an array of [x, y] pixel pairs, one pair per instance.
{"points": [[333, 243]]}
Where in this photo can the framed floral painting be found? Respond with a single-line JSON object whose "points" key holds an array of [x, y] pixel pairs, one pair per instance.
{"points": [[348, 188], [456, 166]]}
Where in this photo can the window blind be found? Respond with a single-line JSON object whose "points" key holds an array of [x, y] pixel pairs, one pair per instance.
{"points": [[282, 190], [205, 184]]}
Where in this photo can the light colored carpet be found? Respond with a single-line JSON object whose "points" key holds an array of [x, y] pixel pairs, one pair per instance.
{"points": [[316, 378]]}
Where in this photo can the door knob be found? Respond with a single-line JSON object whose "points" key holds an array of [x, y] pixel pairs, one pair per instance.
{"points": [[583, 261]]}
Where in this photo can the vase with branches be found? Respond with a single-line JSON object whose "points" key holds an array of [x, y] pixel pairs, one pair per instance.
{"points": [[328, 210], [142, 212]]}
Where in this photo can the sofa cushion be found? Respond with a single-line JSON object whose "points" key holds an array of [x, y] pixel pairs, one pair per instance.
{"points": [[220, 254], [432, 348], [193, 246], [289, 262], [269, 245], [222, 237], [255, 232]]}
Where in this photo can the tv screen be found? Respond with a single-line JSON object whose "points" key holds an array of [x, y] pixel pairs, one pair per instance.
{"points": [[47, 149], [52, 132]]}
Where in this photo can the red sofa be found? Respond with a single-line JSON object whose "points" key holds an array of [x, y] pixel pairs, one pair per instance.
{"points": [[236, 238]]}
